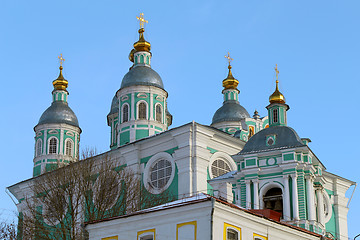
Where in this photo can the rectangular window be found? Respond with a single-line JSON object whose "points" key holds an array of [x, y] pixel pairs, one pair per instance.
{"points": [[146, 234], [275, 115]]}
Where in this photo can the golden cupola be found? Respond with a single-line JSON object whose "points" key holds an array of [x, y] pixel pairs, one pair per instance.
{"points": [[142, 44], [60, 83], [230, 82], [277, 96]]}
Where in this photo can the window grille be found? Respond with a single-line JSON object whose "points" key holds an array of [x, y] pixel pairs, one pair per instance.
{"points": [[53, 146], [219, 167], [142, 110]]}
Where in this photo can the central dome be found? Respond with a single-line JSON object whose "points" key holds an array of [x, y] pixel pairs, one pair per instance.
{"points": [[142, 75], [230, 111]]}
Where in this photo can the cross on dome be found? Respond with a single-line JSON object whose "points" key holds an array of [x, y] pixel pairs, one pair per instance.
{"points": [[228, 58], [141, 20], [61, 59], [277, 73]]}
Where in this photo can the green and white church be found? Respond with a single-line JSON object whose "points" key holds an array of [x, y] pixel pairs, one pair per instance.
{"points": [[251, 162]]}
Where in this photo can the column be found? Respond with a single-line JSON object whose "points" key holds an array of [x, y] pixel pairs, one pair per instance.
{"points": [[151, 107], [286, 200], [256, 194], [295, 197], [320, 206], [248, 194], [310, 198]]}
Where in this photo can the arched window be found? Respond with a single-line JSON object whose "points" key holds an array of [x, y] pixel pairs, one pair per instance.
{"points": [[141, 58], [275, 115], [158, 113], [273, 200], [38, 147], [219, 167], [147, 60], [53, 146], [136, 59], [251, 131], [125, 113], [68, 148], [116, 133], [142, 110]]}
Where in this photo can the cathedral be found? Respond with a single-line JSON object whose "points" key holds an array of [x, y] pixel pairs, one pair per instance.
{"points": [[225, 178]]}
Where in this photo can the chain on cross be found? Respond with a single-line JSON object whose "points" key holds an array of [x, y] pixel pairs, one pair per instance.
{"points": [[61, 59], [228, 58], [141, 20]]}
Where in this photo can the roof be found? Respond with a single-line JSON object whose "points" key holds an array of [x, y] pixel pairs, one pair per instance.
{"points": [[198, 198], [285, 137], [142, 75], [59, 112]]}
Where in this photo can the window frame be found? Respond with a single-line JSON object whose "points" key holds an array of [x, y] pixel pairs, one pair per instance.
{"points": [[147, 172], [161, 113], [56, 145], [138, 110], [232, 227], [146, 233], [122, 112], [69, 140], [275, 115], [223, 156], [38, 145]]}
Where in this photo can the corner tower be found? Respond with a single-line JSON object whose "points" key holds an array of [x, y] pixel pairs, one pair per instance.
{"points": [[139, 108], [57, 134]]}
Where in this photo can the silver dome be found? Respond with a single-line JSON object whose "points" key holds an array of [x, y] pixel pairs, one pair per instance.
{"points": [[59, 112], [230, 111], [142, 75], [114, 105]]}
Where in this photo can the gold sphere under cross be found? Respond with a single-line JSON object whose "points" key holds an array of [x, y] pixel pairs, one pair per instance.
{"points": [[141, 20], [61, 59]]}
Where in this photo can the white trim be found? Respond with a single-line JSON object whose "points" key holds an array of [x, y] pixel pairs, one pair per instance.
{"points": [[37, 154], [150, 163], [72, 147], [266, 187], [221, 156], [57, 147]]}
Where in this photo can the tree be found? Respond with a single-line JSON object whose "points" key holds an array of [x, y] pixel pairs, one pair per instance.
{"points": [[61, 201], [8, 230]]}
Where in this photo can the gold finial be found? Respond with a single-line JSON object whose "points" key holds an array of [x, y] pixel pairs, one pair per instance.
{"points": [[230, 82], [60, 83], [141, 20], [277, 96], [61, 59], [228, 58], [277, 73]]}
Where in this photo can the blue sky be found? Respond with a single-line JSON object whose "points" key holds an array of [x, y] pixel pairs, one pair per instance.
{"points": [[316, 45]]}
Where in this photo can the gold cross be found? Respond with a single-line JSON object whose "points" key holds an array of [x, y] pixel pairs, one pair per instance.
{"points": [[277, 72], [228, 58], [61, 59], [141, 20]]}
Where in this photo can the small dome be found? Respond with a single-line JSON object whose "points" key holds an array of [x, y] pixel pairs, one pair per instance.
{"points": [[142, 75], [277, 96], [114, 105], [230, 111], [59, 112], [284, 137]]}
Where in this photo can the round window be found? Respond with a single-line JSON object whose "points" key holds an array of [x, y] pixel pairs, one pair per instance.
{"points": [[219, 167], [160, 173]]}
